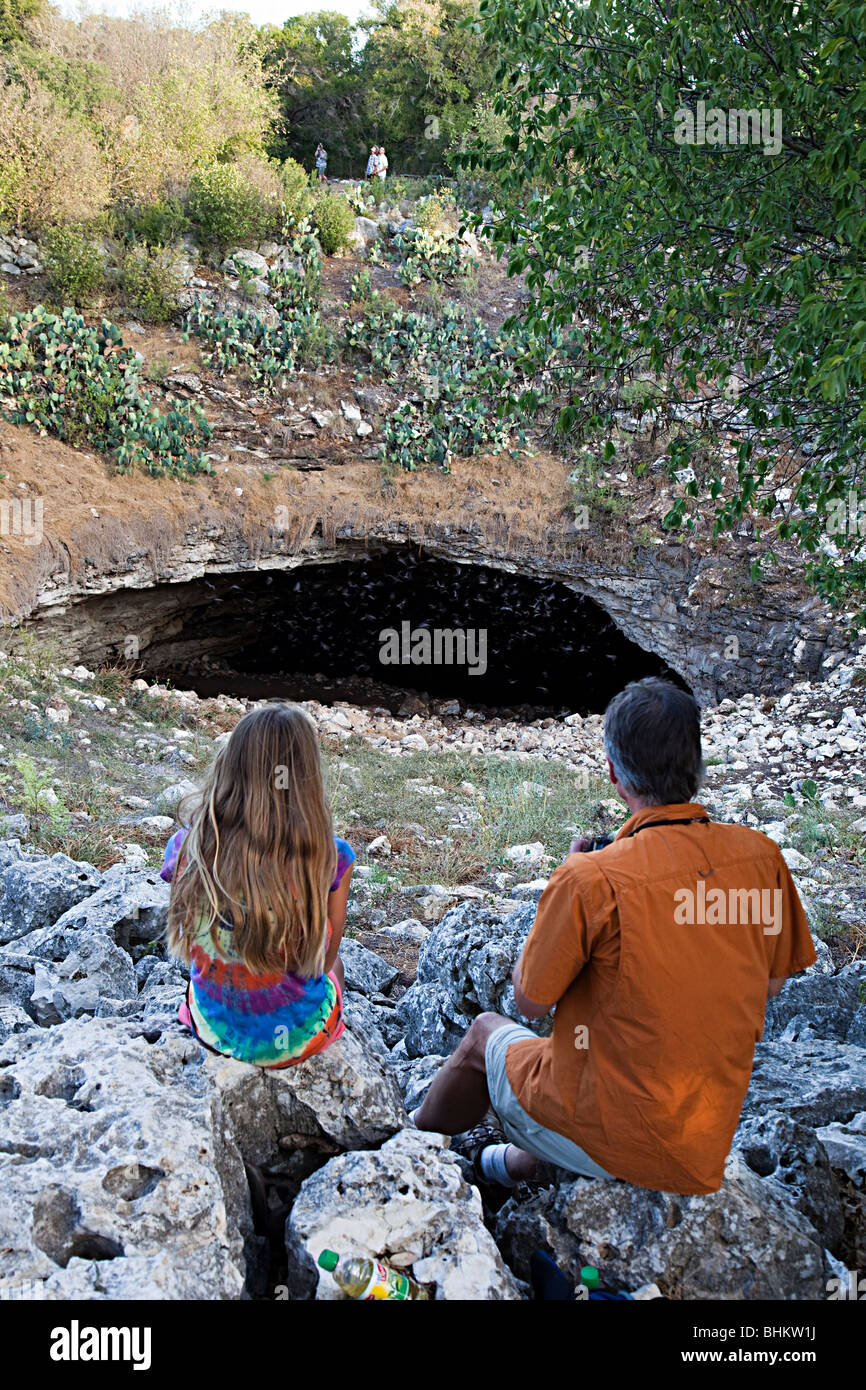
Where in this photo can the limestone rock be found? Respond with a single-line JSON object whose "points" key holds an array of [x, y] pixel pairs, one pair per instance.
{"points": [[374, 399], [365, 230], [529, 892], [16, 981], [530, 856], [826, 1003], [737, 1243], [10, 853], [363, 1018], [252, 260], [343, 1098], [182, 381], [97, 969], [414, 1077], [432, 906], [47, 1003], [464, 969], [160, 974], [13, 1019], [432, 1023], [816, 1082], [170, 796], [131, 905], [162, 993], [46, 944], [846, 1148], [406, 1203], [409, 929], [35, 891], [824, 964], [856, 1034], [118, 1176], [795, 860], [793, 1160], [15, 825], [365, 971]]}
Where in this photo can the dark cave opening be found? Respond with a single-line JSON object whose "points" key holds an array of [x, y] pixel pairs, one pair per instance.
{"points": [[370, 630]]}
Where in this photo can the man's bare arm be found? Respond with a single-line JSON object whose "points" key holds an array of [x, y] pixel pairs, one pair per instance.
{"points": [[775, 987], [526, 1006]]}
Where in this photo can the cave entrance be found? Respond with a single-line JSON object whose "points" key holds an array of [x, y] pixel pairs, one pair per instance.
{"points": [[370, 630]]}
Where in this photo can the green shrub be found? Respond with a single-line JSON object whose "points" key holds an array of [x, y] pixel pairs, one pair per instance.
{"points": [[161, 222], [361, 288], [437, 211], [52, 168], [399, 186], [239, 340], [82, 385], [295, 288], [229, 205], [247, 281], [148, 285], [264, 353], [74, 265], [319, 344], [361, 199], [463, 376], [193, 96], [297, 194], [426, 254], [334, 220]]}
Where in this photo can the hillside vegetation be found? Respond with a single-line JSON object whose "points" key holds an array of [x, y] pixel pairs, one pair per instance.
{"points": [[684, 314]]}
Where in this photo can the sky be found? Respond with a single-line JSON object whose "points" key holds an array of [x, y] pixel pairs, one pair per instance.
{"points": [[260, 11]]}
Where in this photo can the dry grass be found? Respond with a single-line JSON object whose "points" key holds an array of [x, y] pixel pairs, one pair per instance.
{"points": [[94, 779]]}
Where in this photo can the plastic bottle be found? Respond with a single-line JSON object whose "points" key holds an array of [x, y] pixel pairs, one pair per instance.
{"points": [[363, 1278], [587, 1283]]}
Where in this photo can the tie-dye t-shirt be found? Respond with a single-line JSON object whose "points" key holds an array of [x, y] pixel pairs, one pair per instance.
{"points": [[270, 1020]]}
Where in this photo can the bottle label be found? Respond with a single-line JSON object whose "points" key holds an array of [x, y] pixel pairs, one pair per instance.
{"points": [[386, 1283]]}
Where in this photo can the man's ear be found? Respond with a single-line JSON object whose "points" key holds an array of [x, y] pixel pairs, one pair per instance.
{"points": [[611, 773]]}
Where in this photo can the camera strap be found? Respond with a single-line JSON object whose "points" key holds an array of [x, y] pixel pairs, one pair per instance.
{"points": [[648, 825]]}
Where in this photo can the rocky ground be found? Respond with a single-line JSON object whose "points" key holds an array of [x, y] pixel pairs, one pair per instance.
{"points": [[147, 1168]]}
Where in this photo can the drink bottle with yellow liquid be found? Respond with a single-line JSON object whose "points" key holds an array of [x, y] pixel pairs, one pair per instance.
{"points": [[363, 1278]]}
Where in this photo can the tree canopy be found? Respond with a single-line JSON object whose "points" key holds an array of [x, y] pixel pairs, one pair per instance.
{"points": [[686, 198], [13, 14], [407, 77]]}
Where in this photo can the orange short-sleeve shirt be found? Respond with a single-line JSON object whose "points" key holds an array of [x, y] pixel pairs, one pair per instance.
{"points": [[658, 949]]}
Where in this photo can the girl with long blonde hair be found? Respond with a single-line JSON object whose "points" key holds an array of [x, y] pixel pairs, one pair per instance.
{"points": [[259, 887]]}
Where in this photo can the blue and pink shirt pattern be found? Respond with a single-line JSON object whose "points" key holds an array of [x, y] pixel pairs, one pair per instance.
{"points": [[272, 1020]]}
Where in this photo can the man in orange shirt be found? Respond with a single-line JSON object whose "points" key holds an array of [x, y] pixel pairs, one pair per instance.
{"points": [[658, 953]]}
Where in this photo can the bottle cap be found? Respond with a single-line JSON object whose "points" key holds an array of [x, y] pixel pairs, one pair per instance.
{"points": [[329, 1260], [589, 1276]]}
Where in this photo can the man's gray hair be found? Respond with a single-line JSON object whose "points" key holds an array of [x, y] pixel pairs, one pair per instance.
{"points": [[652, 735]]}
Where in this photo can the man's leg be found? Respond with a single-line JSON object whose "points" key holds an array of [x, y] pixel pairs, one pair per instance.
{"points": [[458, 1098]]}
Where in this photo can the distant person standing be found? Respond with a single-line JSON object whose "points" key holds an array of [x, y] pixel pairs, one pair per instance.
{"points": [[321, 162], [382, 166], [372, 161]]}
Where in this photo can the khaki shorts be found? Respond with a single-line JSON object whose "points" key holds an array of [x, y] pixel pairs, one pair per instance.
{"points": [[520, 1128]]}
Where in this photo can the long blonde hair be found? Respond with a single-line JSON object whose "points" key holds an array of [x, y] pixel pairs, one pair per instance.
{"points": [[260, 852]]}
